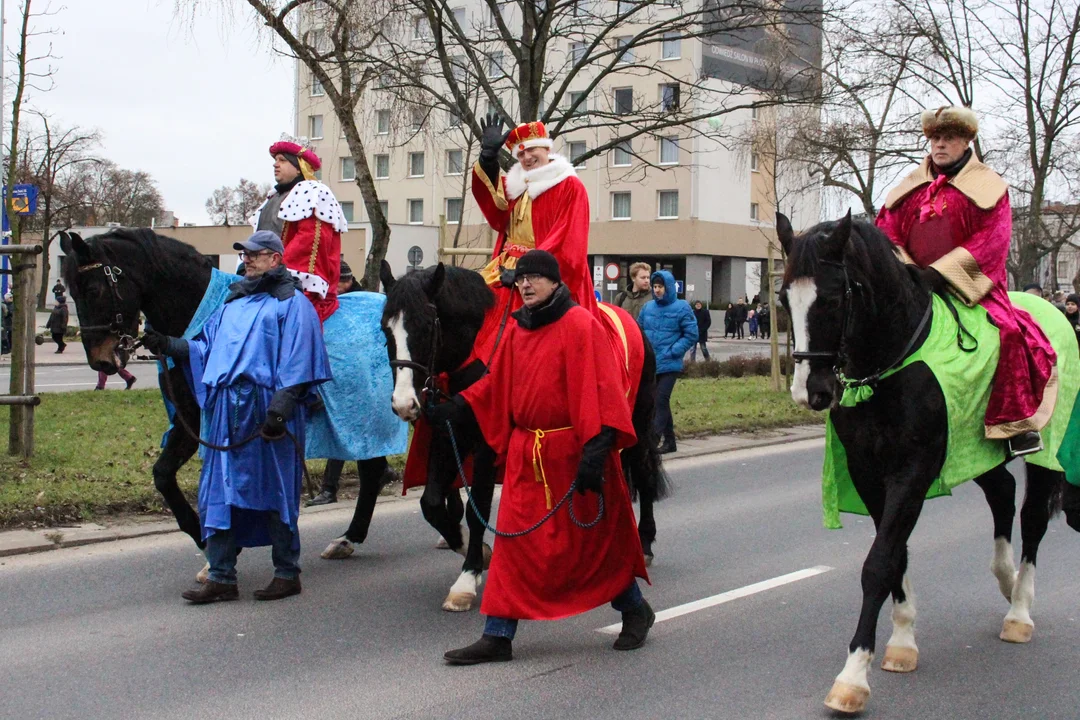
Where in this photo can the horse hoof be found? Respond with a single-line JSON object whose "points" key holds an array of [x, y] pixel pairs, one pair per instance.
{"points": [[648, 560], [337, 550], [900, 659], [203, 575], [442, 544], [847, 698], [487, 556], [458, 602], [1014, 631]]}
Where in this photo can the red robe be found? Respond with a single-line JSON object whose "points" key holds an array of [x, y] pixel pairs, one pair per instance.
{"points": [[561, 379], [962, 227], [546, 209]]}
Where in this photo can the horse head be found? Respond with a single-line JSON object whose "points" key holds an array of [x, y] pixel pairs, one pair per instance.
{"points": [[107, 300], [413, 333], [813, 293]]}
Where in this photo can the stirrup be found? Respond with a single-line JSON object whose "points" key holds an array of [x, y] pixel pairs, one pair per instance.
{"points": [[1030, 449]]}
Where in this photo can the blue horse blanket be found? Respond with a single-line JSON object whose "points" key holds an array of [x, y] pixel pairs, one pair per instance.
{"points": [[358, 422]]}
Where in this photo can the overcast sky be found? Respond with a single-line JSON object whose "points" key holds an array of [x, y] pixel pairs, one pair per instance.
{"points": [[196, 103]]}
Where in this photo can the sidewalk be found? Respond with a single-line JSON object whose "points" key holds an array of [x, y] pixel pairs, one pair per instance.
{"points": [[20, 542]]}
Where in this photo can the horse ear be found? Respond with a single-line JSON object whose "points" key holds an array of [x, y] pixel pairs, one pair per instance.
{"points": [[434, 283], [65, 242], [784, 232], [386, 276], [832, 247], [79, 247]]}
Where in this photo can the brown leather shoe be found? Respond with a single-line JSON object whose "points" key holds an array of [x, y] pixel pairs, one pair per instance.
{"points": [[211, 592], [279, 588]]}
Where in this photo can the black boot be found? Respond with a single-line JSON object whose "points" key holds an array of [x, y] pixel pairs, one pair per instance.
{"points": [[489, 648], [667, 446], [635, 627], [1025, 444], [324, 498]]}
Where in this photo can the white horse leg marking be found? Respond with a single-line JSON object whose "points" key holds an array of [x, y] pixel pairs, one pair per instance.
{"points": [[901, 652], [404, 401], [851, 690], [463, 592], [1018, 624], [1003, 567], [801, 295]]}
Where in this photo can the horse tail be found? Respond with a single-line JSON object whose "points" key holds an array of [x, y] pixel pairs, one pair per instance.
{"points": [[641, 463]]}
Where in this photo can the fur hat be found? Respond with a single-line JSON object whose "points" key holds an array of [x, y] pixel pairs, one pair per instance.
{"points": [[961, 121], [528, 135]]}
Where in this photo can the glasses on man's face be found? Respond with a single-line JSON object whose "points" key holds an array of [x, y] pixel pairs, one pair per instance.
{"points": [[531, 277], [249, 256]]}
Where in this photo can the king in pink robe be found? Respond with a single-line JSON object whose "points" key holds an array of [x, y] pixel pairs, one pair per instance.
{"points": [[962, 227]]}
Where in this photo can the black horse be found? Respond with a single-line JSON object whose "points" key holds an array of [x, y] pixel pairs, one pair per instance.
{"points": [[440, 310], [857, 308], [115, 276]]}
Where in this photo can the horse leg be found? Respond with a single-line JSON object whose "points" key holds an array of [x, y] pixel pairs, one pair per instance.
{"points": [[901, 652], [178, 449], [647, 523], [478, 554], [882, 573], [1041, 501], [1071, 506], [371, 474], [999, 486]]}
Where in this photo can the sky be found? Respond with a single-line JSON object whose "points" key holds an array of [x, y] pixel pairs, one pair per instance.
{"points": [[195, 102]]}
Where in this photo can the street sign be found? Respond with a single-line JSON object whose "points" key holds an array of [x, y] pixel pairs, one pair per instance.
{"points": [[597, 274], [23, 202], [679, 287], [611, 271], [613, 286], [690, 288], [416, 255]]}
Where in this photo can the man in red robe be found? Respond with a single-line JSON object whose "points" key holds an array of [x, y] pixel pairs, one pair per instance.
{"points": [[307, 217], [952, 214], [540, 203], [553, 408]]}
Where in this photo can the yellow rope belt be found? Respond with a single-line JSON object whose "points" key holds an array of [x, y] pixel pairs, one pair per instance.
{"points": [[538, 459]]}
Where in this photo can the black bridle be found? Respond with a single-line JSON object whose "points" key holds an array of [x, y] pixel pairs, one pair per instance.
{"points": [[839, 355], [431, 389], [112, 273]]}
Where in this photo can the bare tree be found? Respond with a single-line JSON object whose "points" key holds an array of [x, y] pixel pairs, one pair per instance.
{"points": [[109, 193], [219, 206], [235, 205]]}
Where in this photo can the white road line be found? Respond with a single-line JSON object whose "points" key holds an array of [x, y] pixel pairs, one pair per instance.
{"points": [[726, 597]]}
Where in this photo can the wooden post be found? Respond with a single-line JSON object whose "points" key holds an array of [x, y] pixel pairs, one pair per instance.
{"points": [[23, 347], [774, 347]]}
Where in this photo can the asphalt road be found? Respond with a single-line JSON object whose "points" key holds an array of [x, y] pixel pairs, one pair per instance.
{"points": [[101, 632]]}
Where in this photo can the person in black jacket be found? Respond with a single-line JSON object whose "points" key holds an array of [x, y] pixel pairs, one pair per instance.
{"points": [[729, 321], [740, 318], [1072, 313], [704, 320], [58, 323]]}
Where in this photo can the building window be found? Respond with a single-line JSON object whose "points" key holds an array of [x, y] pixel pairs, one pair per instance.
{"points": [[621, 156], [495, 66], [347, 211], [576, 150], [348, 169], [672, 46], [384, 208], [416, 164], [626, 55], [583, 105], [453, 211], [753, 162], [382, 122], [755, 112], [581, 8], [315, 127], [624, 101], [382, 167], [577, 52], [455, 162], [669, 151], [753, 211], [620, 206], [669, 97], [417, 115], [667, 204], [453, 119], [625, 6], [416, 212], [460, 17], [316, 87], [421, 27]]}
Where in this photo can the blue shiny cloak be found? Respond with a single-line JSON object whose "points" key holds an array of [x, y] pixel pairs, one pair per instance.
{"points": [[249, 349]]}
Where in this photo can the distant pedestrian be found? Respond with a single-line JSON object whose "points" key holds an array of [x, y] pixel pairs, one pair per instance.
{"points": [[704, 320], [764, 320], [58, 323], [752, 318], [7, 316], [740, 317], [638, 292], [1058, 300], [1034, 289], [1072, 313], [672, 330], [729, 321], [58, 290], [127, 377]]}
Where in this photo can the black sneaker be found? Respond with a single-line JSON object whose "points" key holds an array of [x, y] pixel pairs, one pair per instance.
{"points": [[1025, 444], [635, 627], [489, 648], [326, 497]]}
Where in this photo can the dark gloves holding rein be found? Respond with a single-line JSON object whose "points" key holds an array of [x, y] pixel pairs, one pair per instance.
{"points": [[161, 344], [282, 407], [455, 410], [590, 472]]}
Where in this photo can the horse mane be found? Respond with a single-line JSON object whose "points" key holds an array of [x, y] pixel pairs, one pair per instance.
{"points": [[463, 296], [163, 254]]}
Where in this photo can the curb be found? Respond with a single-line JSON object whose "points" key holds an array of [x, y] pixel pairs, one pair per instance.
{"points": [[25, 542]]}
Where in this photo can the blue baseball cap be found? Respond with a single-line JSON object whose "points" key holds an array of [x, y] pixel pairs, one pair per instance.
{"points": [[262, 240]]}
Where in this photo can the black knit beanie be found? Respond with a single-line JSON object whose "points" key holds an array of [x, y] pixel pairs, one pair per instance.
{"points": [[540, 262]]}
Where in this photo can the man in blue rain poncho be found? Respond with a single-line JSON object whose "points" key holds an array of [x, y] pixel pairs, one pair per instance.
{"points": [[253, 365]]}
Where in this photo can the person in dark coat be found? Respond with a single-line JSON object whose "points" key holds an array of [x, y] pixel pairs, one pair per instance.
{"points": [[740, 318], [1072, 313], [704, 320], [58, 323], [58, 290], [764, 319], [729, 321]]}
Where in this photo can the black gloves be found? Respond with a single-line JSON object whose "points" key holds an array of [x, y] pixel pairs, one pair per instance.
{"points": [[492, 138], [161, 344], [506, 277], [590, 472], [455, 410], [282, 407], [937, 281]]}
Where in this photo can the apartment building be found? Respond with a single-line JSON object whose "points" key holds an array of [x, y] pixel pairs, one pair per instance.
{"points": [[678, 199]]}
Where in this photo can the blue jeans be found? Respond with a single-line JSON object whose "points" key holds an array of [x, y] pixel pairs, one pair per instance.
{"points": [[221, 552], [629, 599], [663, 422]]}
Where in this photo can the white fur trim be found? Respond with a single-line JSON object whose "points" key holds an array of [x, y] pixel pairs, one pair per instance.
{"points": [[307, 198], [312, 283], [537, 181]]}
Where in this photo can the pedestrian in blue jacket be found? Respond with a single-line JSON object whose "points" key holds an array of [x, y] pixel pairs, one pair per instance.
{"points": [[672, 330]]}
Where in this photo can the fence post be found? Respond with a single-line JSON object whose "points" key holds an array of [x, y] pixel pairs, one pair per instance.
{"points": [[23, 334]]}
